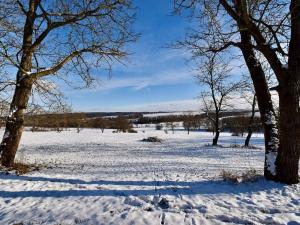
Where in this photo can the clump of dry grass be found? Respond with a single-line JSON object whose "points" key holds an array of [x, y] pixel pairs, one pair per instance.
{"points": [[235, 177], [21, 168]]}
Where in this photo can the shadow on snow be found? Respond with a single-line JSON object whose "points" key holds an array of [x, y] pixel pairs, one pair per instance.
{"points": [[206, 187]]}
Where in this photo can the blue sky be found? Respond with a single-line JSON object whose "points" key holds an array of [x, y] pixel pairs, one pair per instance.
{"points": [[155, 77]]}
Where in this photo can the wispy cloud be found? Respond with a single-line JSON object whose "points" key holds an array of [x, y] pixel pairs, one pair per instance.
{"points": [[168, 77], [187, 105]]}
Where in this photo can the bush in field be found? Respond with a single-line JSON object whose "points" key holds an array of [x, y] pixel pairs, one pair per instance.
{"points": [[132, 131], [100, 123], [158, 127], [152, 139], [191, 122], [122, 124]]}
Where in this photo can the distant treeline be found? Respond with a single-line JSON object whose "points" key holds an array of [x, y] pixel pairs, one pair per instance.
{"points": [[234, 122], [76, 120], [165, 119], [239, 124]]}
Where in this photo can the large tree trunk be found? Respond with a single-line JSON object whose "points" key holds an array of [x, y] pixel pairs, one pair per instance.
{"points": [[264, 102], [289, 102], [288, 156], [15, 120], [15, 123], [250, 124]]}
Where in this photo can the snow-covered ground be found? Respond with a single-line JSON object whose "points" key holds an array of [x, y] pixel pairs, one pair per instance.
{"points": [[114, 178]]}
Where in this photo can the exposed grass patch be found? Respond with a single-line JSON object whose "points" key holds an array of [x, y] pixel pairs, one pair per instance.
{"points": [[236, 177], [243, 146], [21, 168]]}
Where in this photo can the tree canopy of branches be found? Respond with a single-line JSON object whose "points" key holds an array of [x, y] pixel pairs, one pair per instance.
{"points": [[60, 38], [215, 75]]}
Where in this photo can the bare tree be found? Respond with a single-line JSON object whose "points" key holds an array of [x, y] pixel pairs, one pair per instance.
{"points": [[279, 44], [218, 33], [101, 123], [249, 96], [61, 38], [214, 74], [171, 125], [251, 120], [270, 28], [190, 122], [122, 124]]}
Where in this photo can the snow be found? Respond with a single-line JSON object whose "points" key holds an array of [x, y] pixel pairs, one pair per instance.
{"points": [[12, 112], [114, 178], [270, 162], [270, 118], [273, 144]]}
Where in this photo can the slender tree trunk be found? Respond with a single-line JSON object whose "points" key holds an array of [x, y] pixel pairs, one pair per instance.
{"points": [[289, 103], [216, 138], [250, 124], [264, 102], [217, 130]]}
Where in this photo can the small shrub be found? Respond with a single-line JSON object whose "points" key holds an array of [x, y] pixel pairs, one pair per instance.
{"points": [[132, 131], [235, 177], [38, 129], [152, 139], [235, 146], [158, 127]]}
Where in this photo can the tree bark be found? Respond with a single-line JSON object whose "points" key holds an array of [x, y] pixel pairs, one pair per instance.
{"points": [[264, 102], [15, 120], [216, 138], [250, 124], [15, 123], [289, 103], [248, 138], [216, 125], [217, 130]]}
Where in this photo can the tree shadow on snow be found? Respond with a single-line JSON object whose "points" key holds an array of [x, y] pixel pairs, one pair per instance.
{"points": [[139, 188]]}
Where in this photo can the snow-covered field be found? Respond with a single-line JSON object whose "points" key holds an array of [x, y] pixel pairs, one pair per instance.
{"points": [[114, 178]]}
